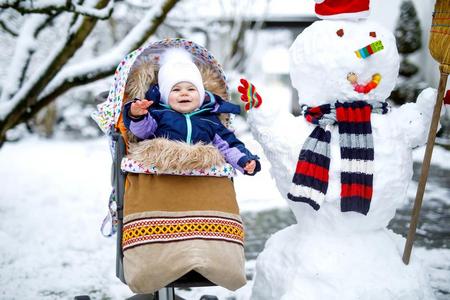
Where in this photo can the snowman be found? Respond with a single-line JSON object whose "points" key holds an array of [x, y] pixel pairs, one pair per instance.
{"points": [[344, 165]]}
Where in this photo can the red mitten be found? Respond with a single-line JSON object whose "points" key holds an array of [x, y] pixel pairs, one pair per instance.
{"points": [[249, 95]]}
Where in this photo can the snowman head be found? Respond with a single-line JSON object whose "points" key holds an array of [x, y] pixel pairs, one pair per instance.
{"points": [[345, 60]]}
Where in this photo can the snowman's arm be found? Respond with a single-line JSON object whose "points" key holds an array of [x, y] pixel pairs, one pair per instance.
{"points": [[277, 129], [281, 136], [413, 119]]}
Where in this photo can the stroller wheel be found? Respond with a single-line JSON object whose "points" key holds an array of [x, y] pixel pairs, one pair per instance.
{"points": [[82, 297], [209, 297]]}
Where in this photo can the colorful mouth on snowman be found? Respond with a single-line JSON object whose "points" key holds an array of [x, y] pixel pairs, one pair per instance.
{"points": [[363, 89]]}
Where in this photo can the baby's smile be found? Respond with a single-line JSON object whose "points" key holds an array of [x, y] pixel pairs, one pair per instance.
{"points": [[184, 97]]}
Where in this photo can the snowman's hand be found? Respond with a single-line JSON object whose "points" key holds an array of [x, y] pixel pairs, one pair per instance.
{"points": [[249, 95], [412, 120], [426, 101]]}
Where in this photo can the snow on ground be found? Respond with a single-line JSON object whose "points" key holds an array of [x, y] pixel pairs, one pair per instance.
{"points": [[54, 196], [440, 156]]}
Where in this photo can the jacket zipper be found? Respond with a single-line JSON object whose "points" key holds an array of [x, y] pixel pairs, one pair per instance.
{"points": [[189, 124], [189, 128]]}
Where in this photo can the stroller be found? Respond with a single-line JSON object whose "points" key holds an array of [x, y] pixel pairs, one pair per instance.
{"points": [[168, 237]]}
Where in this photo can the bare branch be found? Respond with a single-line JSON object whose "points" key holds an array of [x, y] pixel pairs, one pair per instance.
{"points": [[142, 31], [52, 7], [61, 89], [8, 29], [237, 45]]}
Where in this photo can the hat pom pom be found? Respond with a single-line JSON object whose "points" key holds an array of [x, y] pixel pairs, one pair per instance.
{"points": [[176, 55]]}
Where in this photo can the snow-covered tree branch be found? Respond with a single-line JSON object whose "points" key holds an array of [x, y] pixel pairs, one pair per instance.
{"points": [[56, 6], [24, 93], [7, 28]]}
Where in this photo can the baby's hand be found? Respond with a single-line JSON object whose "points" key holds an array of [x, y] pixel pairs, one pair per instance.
{"points": [[140, 107], [250, 167]]}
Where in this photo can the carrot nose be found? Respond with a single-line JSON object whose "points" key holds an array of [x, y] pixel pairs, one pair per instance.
{"points": [[370, 49]]}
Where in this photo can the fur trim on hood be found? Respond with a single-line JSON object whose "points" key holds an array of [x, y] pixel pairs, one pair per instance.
{"points": [[139, 79], [168, 155]]}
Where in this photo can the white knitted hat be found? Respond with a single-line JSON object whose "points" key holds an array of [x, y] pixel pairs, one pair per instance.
{"points": [[177, 66]]}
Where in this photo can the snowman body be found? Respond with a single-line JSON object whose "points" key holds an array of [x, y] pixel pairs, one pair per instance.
{"points": [[331, 254]]}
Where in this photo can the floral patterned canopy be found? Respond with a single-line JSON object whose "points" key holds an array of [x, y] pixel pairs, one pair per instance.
{"points": [[108, 112]]}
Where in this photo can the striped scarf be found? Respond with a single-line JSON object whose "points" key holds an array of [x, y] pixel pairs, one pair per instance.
{"points": [[310, 181]]}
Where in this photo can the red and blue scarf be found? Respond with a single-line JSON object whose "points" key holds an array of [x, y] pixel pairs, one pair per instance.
{"points": [[310, 181]]}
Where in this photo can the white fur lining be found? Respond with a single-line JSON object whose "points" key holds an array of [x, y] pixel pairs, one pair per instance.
{"points": [[347, 16], [132, 166], [163, 156]]}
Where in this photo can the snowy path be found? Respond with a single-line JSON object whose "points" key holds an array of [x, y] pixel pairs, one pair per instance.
{"points": [[53, 199]]}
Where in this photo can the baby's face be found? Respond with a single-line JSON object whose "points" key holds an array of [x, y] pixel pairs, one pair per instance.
{"points": [[184, 97]]}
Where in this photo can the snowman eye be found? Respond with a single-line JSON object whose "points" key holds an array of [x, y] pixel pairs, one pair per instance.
{"points": [[373, 34], [340, 32]]}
